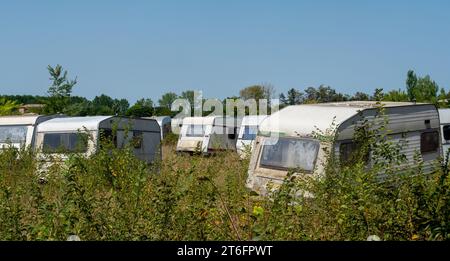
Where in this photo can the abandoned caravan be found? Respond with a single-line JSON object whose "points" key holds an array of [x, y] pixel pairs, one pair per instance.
{"points": [[444, 118], [176, 124], [19, 131], [247, 133], [164, 124], [207, 134], [286, 138], [57, 138]]}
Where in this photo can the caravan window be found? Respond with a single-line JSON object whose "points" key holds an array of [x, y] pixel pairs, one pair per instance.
{"points": [[137, 139], [107, 136], [232, 133], [250, 132], [429, 142], [348, 151], [65, 142], [13, 134], [166, 128], [290, 153], [446, 131], [195, 131]]}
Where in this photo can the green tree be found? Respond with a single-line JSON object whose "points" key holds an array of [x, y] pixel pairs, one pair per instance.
{"points": [[324, 94], [396, 96], [411, 81], [421, 89], [60, 90], [283, 99], [120, 107], [25, 99], [142, 108], [8, 107], [82, 108], [426, 90], [163, 111], [167, 99], [103, 105], [360, 96], [378, 94], [256, 92], [311, 94], [269, 91], [294, 97], [188, 95]]}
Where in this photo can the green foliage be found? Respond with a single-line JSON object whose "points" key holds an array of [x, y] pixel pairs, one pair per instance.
{"points": [[294, 97], [167, 99], [324, 94], [142, 108], [396, 96], [164, 111], [25, 99], [113, 196], [59, 91], [360, 96], [421, 89], [8, 107], [253, 92], [188, 95], [105, 105]]}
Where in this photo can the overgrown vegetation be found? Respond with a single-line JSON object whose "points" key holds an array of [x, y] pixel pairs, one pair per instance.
{"points": [[8, 107], [114, 196]]}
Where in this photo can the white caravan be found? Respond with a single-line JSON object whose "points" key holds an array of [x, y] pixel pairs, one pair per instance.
{"points": [[247, 133], [164, 123], [62, 136], [296, 147], [176, 125], [207, 134], [19, 131], [444, 118]]}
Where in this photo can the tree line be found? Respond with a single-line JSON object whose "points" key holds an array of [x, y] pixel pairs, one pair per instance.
{"points": [[418, 89], [59, 99]]}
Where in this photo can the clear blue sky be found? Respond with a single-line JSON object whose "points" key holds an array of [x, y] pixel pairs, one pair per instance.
{"points": [[136, 49]]}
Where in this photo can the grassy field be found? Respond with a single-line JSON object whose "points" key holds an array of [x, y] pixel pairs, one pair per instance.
{"points": [[113, 196]]}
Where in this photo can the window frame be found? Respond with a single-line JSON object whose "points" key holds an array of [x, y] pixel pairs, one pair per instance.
{"points": [[444, 127], [265, 166], [106, 133], [356, 146], [188, 134], [435, 150], [137, 139], [16, 126], [250, 127], [62, 149]]}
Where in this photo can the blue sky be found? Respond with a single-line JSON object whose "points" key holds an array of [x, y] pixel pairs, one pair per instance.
{"points": [[135, 49]]}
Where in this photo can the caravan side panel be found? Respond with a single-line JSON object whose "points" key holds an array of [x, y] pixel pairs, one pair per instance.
{"points": [[143, 134], [408, 125]]}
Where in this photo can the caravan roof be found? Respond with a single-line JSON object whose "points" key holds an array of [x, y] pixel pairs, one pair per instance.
{"points": [[96, 122], [20, 120], [160, 119], [306, 118], [253, 119], [444, 115], [72, 123], [210, 120]]}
